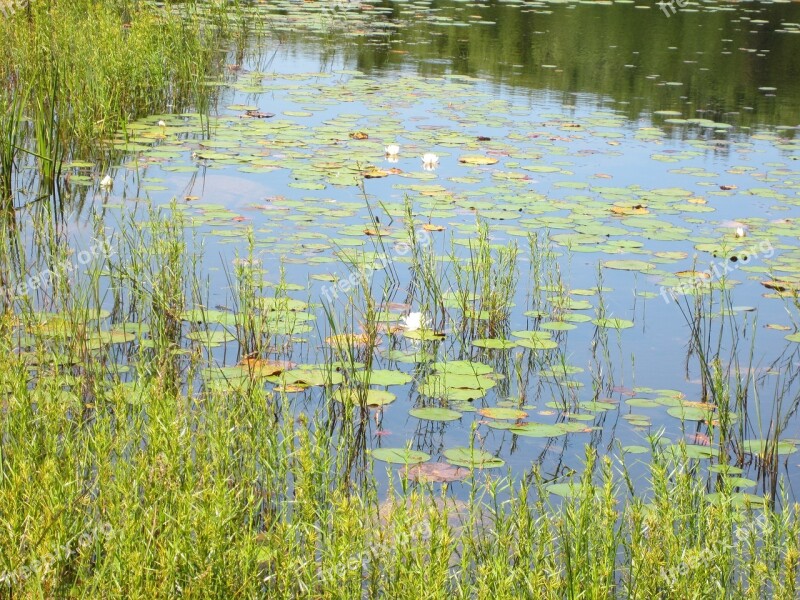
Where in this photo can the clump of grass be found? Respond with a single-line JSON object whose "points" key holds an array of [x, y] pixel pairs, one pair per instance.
{"points": [[73, 72]]}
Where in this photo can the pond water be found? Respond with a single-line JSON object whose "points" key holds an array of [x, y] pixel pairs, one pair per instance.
{"points": [[642, 165]]}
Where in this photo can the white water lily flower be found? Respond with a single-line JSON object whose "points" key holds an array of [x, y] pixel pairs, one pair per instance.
{"points": [[430, 160], [162, 124], [414, 321], [740, 232], [106, 182], [392, 150]]}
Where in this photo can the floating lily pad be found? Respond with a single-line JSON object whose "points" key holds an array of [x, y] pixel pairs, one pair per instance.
{"points": [[502, 413], [690, 413], [629, 265], [472, 458], [761, 446], [565, 490], [737, 500], [431, 413], [541, 430], [370, 397], [494, 344], [211, 338], [476, 159], [383, 377], [613, 323], [402, 456]]}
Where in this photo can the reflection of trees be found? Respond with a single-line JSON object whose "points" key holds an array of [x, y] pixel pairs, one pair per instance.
{"points": [[610, 51]]}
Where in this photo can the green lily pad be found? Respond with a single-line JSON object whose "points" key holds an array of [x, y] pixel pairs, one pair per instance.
{"points": [[502, 413], [761, 446], [494, 344], [401, 456], [690, 413], [565, 490], [629, 265], [371, 397], [431, 413], [613, 323], [472, 458]]}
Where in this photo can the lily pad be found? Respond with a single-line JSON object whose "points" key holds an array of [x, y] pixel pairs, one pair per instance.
{"points": [[472, 458], [629, 265], [502, 413], [431, 413], [402, 456]]}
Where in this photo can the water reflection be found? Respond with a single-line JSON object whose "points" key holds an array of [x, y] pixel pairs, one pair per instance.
{"points": [[706, 62]]}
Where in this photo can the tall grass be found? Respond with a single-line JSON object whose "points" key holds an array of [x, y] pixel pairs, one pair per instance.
{"points": [[73, 72], [173, 485]]}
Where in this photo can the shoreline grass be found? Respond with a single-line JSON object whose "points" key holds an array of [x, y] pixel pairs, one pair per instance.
{"points": [[64, 94], [158, 486]]}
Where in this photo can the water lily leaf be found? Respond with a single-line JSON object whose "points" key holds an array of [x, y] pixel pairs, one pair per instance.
{"points": [[265, 368], [537, 344], [475, 159], [346, 340], [502, 413], [402, 456], [431, 413], [737, 500], [311, 376], [211, 338], [424, 335], [462, 367], [472, 458], [102, 338], [629, 265], [494, 344], [643, 403], [199, 315], [613, 323], [370, 397], [760, 447], [383, 377], [690, 413], [538, 430], [597, 406], [565, 490]]}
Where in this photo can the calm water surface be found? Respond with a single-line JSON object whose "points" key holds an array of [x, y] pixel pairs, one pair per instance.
{"points": [[611, 131]]}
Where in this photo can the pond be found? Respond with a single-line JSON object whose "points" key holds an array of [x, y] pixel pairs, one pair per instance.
{"points": [[497, 232]]}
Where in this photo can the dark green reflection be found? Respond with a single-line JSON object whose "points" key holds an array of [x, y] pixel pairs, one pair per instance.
{"points": [[627, 54]]}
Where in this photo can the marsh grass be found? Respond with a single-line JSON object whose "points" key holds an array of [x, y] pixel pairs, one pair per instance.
{"points": [[748, 427], [64, 95], [173, 486]]}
